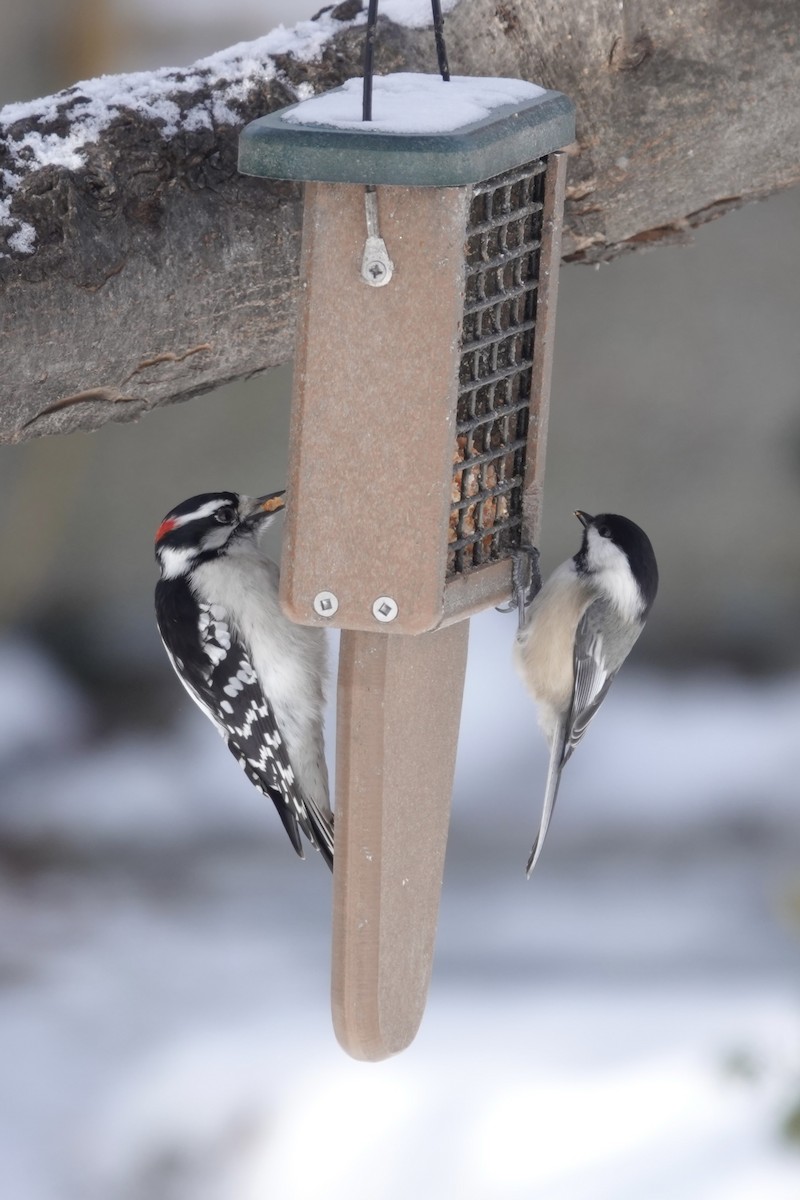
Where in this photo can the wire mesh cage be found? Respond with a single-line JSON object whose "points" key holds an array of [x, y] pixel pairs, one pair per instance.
{"points": [[503, 242]]}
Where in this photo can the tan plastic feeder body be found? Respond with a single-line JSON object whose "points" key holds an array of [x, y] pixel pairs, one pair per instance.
{"points": [[419, 415]]}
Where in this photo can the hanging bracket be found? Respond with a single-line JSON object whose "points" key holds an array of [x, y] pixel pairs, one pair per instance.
{"points": [[376, 266]]}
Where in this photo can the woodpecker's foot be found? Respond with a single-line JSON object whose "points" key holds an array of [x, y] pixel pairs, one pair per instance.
{"points": [[526, 581]]}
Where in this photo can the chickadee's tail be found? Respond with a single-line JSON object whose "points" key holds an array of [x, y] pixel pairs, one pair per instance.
{"points": [[550, 792]]}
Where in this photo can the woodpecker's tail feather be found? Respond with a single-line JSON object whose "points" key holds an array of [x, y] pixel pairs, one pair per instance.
{"points": [[557, 748], [322, 829], [305, 816]]}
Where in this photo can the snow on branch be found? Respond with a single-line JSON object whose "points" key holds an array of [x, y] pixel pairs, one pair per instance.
{"points": [[137, 267], [55, 131]]}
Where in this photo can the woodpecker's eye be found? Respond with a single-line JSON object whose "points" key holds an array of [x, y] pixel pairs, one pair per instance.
{"points": [[603, 530], [226, 515]]}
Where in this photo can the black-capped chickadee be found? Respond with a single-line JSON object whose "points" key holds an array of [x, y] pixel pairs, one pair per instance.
{"points": [[577, 632]]}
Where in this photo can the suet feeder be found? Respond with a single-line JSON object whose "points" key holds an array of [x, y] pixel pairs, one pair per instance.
{"points": [[426, 318]]}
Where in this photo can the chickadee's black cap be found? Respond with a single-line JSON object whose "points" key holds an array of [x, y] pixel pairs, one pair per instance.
{"points": [[634, 543]]}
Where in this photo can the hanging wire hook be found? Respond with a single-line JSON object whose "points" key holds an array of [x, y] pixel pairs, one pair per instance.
{"points": [[369, 46], [438, 33], [369, 51]]}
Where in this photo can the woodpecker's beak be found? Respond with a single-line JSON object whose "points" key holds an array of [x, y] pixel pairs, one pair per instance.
{"points": [[271, 503], [584, 518], [258, 508]]}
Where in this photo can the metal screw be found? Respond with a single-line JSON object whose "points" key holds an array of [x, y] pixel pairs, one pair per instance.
{"points": [[376, 266], [384, 609], [325, 604]]}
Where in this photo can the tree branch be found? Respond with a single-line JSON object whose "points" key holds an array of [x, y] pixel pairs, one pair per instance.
{"points": [[141, 269]]}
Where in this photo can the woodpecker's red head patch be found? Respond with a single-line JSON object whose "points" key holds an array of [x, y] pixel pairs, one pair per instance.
{"points": [[164, 528]]}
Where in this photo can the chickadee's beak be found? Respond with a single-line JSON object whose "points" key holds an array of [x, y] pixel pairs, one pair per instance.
{"points": [[256, 509], [584, 518]]}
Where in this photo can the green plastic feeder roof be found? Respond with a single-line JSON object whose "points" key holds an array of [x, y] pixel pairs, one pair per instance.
{"points": [[512, 134]]}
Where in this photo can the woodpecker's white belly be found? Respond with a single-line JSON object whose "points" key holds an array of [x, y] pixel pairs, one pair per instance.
{"points": [[290, 660]]}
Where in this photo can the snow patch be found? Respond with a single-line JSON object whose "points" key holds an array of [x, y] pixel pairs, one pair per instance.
{"points": [[603, 1032], [167, 95], [409, 102], [23, 239]]}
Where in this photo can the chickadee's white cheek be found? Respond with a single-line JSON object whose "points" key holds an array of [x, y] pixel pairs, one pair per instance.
{"points": [[621, 589], [603, 552], [612, 576]]}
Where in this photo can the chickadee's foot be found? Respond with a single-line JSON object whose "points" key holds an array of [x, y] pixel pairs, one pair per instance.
{"points": [[526, 581], [531, 553]]}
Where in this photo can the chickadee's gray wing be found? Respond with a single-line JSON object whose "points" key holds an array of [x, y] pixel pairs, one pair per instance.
{"points": [[603, 640], [593, 673]]}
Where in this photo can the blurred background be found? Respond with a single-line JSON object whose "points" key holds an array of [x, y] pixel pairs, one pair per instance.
{"points": [[627, 1025]]}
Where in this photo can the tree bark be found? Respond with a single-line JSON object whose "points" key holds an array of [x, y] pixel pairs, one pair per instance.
{"points": [[157, 272]]}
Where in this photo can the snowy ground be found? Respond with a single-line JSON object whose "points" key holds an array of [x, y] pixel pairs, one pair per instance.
{"points": [[624, 1027]]}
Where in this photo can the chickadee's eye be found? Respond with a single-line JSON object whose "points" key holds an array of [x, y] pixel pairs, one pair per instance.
{"points": [[226, 515], [603, 530]]}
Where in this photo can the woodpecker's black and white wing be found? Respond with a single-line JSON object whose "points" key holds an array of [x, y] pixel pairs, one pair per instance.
{"points": [[216, 670]]}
